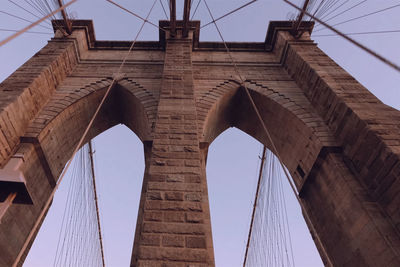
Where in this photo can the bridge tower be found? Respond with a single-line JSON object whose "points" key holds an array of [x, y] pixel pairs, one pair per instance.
{"points": [[338, 141]]}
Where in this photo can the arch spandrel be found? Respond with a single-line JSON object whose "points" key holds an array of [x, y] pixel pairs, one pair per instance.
{"points": [[53, 135], [366, 128], [307, 102], [144, 104], [61, 123], [304, 141]]}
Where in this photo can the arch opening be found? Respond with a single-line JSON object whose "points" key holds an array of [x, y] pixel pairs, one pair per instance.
{"points": [[119, 162], [60, 134], [295, 129], [236, 106], [232, 173]]}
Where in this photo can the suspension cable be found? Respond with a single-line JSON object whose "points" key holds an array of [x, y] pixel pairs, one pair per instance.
{"points": [[366, 49], [96, 201], [136, 15], [195, 10], [255, 203], [328, 5], [18, 17], [334, 10], [26, 10], [11, 30], [364, 16], [37, 6], [357, 33], [229, 13], [344, 11], [163, 8], [274, 148], [270, 244], [318, 7], [35, 23], [50, 198], [78, 243]]}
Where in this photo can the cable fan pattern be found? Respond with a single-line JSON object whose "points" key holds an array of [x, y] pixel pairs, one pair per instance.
{"points": [[79, 242], [270, 242]]}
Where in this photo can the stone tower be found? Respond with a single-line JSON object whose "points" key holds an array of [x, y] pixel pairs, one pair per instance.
{"points": [[338, 141]]}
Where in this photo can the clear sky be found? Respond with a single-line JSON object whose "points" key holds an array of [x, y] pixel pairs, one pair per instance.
{"points": [[233, 156]]}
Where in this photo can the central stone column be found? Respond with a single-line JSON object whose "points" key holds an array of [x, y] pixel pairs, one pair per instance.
{"points": [[173, 227]]}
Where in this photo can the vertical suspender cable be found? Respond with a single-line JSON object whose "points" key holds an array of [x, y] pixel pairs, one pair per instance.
{"points": [[255, 203], [265, 129], [96, 202], [80, 143]]}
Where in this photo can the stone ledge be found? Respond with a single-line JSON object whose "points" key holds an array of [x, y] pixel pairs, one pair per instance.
{"points": [[275, 26], [268, 45]]}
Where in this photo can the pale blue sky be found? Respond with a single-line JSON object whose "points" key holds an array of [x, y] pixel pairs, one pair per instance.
{"points": [[231, 175]]}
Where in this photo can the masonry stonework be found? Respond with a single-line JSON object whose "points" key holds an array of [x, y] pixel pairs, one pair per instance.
{"points": [[339, 142]]}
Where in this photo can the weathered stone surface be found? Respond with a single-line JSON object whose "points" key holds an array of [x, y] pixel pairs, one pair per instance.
{"points": [[340, 144]]}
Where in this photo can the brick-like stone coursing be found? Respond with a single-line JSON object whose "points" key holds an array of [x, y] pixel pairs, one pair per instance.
{"points": [[176, 221], [340, 143]]}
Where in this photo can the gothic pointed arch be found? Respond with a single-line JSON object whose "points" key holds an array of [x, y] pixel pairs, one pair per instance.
{"points": [[313, 155], [61, 123], [51, 137], [297, 130]]}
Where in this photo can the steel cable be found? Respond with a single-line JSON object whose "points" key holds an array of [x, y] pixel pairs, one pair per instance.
{"points": [[363, 16], [80, 142], [343, 12], [259, 117], [26, 20]]}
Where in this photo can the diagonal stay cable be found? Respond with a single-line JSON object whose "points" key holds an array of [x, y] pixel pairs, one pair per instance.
{"points": [[10, 30], [82, 139], [40, 6], [27, 20], [325, 7], [163, 8], [3, 42], [23, 8], [334, 10], [195, 10], [136, 15], [363, 47], [363, 16], [328, 7], [344, 11], [47, 7], [229, 13], [318, 7], [357, 33], [264, 127], [35, 7], [96, 202], [260, 176]]}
